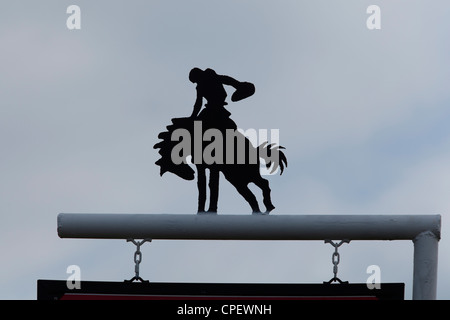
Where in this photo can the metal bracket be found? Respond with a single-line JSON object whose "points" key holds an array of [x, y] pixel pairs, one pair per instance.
{"points": [[137, 259], [335, 259]]}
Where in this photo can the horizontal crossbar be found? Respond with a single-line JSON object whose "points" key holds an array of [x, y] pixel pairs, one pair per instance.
{"points": [[246, 227]]}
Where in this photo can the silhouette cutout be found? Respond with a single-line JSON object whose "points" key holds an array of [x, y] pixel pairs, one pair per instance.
{"points": [[239, 169]]}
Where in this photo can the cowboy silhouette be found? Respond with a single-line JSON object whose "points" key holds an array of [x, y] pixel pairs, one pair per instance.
{"points": [[210, 86]]}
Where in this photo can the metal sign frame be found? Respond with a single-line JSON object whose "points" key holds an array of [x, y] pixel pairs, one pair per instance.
{"points": [[423, 230]]}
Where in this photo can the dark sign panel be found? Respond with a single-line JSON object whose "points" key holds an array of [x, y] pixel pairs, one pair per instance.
{"points": [[96, 290]]}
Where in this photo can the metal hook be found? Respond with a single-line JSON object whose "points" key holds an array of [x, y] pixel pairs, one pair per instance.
{"points": [[335, 259], [137, 259]]}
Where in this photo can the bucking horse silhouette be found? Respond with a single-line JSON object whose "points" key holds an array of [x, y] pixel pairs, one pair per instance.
{"points": [[239, 169]]}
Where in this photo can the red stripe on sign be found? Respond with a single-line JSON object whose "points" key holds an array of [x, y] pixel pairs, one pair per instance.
{"points": [[89, 296]]}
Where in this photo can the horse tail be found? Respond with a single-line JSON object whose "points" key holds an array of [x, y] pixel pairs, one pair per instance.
{"points": [[279, 160]]}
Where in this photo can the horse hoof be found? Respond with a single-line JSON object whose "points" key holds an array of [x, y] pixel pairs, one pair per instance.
{"points": [[206, 213], [258, 213]]}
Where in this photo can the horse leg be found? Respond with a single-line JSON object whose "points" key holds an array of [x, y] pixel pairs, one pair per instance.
{"points": [[213, 190], [248, 196], [263, 184], [201, 185]]}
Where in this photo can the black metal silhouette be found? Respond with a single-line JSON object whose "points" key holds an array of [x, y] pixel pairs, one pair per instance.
{"points": [[210, 86]]}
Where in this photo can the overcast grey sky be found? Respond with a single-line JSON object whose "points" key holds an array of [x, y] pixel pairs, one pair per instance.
{"points": [[363, 115]]}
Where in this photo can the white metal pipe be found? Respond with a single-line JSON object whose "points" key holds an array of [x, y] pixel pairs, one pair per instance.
{"points": [[246, 227], [425, 266]]}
